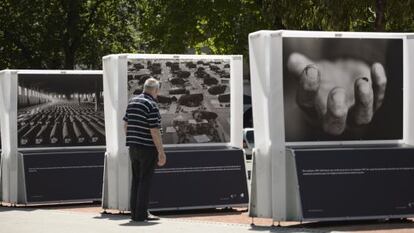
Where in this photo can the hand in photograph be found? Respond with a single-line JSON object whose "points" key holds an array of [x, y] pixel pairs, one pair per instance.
{"points": [[340, 93]]}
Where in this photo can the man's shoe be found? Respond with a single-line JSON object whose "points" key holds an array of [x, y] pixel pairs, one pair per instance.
{"points": [[151, 217]]}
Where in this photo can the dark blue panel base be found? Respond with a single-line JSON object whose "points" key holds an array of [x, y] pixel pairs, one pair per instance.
{"points": [[63, 176], [200, 177], [356, 183]]}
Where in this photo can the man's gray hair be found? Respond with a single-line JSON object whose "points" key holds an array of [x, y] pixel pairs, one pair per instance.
{"points": [[151, 84]]}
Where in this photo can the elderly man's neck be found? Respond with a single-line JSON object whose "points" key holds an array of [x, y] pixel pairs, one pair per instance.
{"points": [[151, 93]]}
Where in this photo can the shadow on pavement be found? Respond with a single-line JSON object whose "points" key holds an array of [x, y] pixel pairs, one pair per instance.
{"points": [[51, 206], [362, 225], [4, 208], [324, 227], [199, 213], [286, 229], [123, 217], [71, 206], [142, 224]]}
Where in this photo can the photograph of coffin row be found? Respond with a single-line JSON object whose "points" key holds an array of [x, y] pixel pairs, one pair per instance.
{"points": [[60, 110], [194, 97]]}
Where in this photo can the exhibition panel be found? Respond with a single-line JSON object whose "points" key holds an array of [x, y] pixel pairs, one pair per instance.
{"points": [[310, 90], [47, 118], [195, 178], [354, 183], [57, 176], [200, 104]]}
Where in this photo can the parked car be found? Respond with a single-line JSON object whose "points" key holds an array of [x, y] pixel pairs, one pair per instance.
{"points": [[248, 142]]}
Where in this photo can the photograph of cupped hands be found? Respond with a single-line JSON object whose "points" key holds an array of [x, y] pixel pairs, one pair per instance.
{"points": [[342, 89]]}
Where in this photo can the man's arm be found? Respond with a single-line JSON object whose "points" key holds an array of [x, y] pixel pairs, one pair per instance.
{"points": [[156, 137], [125, 118]]}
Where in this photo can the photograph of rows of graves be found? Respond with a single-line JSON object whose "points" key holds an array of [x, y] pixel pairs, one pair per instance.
{"points": [[194, 98], [60, 111]]}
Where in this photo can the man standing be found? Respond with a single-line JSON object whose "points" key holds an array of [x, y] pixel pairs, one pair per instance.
{"points": [[143, 136]]}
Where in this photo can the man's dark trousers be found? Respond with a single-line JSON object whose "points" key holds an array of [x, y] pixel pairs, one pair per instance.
{"points": [[143, 162]]}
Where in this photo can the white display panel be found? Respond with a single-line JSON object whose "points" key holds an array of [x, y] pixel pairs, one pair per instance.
{"points": [[279, 121], [122, 78], [11, 169]]}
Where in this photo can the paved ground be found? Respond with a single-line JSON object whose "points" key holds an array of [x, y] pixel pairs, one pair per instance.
{"points": [[55, 221], [88, 218]]}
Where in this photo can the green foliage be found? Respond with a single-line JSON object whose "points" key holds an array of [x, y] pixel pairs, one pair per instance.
{"points": [[179, 26], [60, 34], [400, 16], [327, 15]]}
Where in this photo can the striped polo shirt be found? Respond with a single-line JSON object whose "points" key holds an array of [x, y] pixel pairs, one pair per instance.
{"points": [[142, 114]]}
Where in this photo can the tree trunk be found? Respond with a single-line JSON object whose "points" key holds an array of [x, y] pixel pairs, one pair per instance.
{"points": [[380, 15], [69, 59], [76, 28], [72, 32]]}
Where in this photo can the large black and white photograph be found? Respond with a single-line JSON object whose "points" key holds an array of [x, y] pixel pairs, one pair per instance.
{"points": [[194, 99], [343, 89], [60, 110]]}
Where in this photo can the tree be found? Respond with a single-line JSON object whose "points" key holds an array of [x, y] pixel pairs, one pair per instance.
{"points": [[379, 15], [179, 26], [399, 16], [346, 15], [60, 34]]}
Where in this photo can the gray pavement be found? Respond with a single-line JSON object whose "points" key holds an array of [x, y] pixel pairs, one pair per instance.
{"points": [[22, 220], [56, 221]]}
